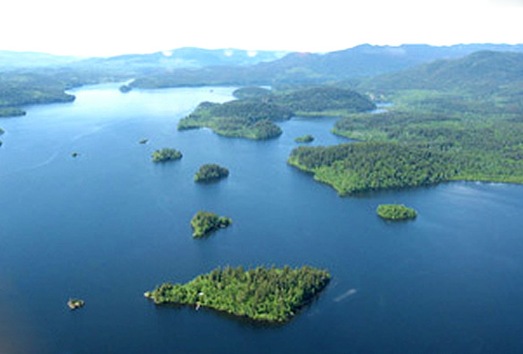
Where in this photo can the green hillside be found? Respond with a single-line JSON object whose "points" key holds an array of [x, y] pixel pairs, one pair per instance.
{"points": [[451, 120]]}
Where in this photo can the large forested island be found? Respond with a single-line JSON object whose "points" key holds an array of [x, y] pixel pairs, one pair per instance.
{"points": [[261, 294], [210, 172], [253, 115], [204, 223]]}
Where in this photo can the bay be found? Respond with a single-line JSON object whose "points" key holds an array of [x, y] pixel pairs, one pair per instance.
{"points": [[109, 224]]}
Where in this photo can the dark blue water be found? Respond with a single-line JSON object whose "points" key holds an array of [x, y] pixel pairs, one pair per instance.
{"points": [[108, 225]]}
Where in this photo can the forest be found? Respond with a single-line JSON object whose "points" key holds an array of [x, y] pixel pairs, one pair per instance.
{"points": [[251, 119], [395, 212], [166, 154], [465, 132], [252, 116], [204, 223], [261, 294], [210, 172]]}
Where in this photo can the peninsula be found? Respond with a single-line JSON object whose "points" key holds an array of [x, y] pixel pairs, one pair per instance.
{"points": [[261, 294]]}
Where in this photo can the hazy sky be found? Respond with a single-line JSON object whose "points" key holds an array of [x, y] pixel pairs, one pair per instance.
{"points": [[110, 27]]}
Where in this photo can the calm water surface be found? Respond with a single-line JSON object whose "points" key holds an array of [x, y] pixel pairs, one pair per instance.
{"points": [[108, 225]]}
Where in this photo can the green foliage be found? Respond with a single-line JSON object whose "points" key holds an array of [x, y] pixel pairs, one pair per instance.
{"points": [[262, 294], [324, 99], [361, 167], [19, 89], [254, 117], [249, 119], [304, 139], [456, 120], [11, 112], [166, 154], [204, 223], [395, 212], [210, 173]]}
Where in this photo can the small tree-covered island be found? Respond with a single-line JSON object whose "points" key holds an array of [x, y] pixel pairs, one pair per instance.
{"points": [[210, 172], [304, 139], [261, 294], [395, 212], [204, 223], [166, 154]]}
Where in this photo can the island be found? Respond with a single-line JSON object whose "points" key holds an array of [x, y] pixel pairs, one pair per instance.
{"points": [[204, 223], [75, 304], [254, 114], [143, 141], [74, 154], [250, 119], [260, 294], [304, 139], [395, 212], [166, 154], [210, 173], [125, 88]]}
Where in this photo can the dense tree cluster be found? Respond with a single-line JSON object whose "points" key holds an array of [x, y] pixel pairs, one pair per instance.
{"points": [[204, 223], [210, 172], [395, 212], [304, 139], [253, 115], [243, 118], [451, 120], [19, 89], [262, 294], [324, 98], [166, 154], [367, 166]]}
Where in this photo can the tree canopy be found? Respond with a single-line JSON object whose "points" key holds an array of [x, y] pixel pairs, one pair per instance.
{"points": [[261, 294]]}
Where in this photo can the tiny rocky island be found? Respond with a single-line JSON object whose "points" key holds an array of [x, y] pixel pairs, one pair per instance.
{"points": [[210, 173], [260, 294], [204, 223], [75, 304], [166, 154], [395, 212]]}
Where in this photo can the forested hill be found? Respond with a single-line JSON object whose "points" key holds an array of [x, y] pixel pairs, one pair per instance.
{"points": [[480, 72], [310, 68], [455, 119]]}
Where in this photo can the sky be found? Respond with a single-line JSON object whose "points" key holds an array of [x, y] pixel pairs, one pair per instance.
{"points": [[113, 27]]}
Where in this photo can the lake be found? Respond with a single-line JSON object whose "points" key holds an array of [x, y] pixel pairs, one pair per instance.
{"points": [[109, 225]]}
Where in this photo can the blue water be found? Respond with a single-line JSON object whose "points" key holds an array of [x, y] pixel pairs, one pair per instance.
{"points": [[109, 224]]}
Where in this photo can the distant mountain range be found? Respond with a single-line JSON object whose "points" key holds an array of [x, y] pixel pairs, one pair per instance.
{"points": [[166, 60], [261, 66], [309, 68]]}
